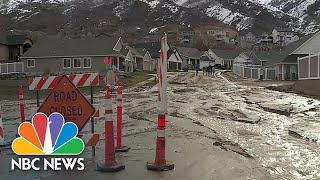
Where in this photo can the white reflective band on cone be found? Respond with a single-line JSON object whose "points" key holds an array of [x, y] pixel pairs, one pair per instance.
{"points": [[161, 133], [108, 117], [108, 104], [119, 103], [21, 96]]}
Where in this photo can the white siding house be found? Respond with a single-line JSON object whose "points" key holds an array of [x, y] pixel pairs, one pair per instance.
{"points": [[284, 36]]}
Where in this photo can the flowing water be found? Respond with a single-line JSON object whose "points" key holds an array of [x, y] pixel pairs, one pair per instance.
{"points": [[267, 140], [285, 156]]}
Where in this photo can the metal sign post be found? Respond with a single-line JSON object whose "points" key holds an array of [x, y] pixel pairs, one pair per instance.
{"points": [[1, 128], [92, 122]]}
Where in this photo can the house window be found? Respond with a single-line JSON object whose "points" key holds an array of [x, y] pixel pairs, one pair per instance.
{"points": [[30, 63], [87, 62], [76, 62], [66, 63]]}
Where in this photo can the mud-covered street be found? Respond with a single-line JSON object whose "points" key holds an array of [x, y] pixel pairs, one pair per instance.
{"points": [[216, 129], [272, 127]]}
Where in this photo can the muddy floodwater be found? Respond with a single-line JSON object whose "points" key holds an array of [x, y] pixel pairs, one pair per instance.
{"points": [[278, 130], [271, 126]]}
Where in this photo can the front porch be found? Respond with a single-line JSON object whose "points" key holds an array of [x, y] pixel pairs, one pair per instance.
{"points": [[122, 64], [287, 72]]}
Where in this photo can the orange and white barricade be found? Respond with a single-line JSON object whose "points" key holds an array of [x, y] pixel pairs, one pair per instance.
{"points": [[90, 139], [79, 80]]}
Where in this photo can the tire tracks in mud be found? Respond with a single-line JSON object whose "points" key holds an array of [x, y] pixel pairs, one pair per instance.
{"points": [[137, 111], [218, 140]]}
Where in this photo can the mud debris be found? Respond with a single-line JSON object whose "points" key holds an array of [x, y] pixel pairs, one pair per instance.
{"points": [[227, 145]]}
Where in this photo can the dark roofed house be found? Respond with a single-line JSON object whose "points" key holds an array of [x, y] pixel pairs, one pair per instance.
{"points": [[224, 57], [256, 58], [175, 59], [143, 59], [191, 56], [152, 47], [206, 60], [280, 29], [284, 61], [12, 46], [57, 56]]}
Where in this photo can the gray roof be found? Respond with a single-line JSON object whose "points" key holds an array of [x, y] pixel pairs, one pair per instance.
{"points": [[124, 51], [259, 56], [172, 50], [152, 47], [227, 53], [12, 39], [284, 56], [279, 29], [189, 52], [57, 47], [141, 51]]}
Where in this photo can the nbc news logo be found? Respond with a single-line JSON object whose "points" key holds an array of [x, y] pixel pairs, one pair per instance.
{"points": [[48, 136]]}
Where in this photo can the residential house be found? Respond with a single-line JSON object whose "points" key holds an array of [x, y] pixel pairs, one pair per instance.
{"points": [[265, 38], [253, 58], [224, 57], [219, 34], [67, 56], [142, 59], [247, 40], [284, 62], [12, 46], [284, 36], [146, 63], [191, 56], [153, 48], [175, 59], [215, 33], [206, 60], [185, 35]]}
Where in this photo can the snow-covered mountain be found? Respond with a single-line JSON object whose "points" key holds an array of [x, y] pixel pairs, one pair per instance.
{"points": [[306, 12], [241, 14], [131, 16], [301, 15]]}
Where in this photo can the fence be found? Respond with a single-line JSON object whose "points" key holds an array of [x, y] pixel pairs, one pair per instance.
{"points": [[309, 67], [254, 72], [10, 68]]}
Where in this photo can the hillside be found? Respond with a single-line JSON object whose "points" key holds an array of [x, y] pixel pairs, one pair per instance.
{"points": [[136, 18]]}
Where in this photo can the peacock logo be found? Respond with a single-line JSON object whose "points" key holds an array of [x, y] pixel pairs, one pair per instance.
{"points": [[48, 136]]}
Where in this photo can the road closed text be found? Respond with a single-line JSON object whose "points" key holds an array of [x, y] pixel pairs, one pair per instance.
{"points": [[66, 98]]}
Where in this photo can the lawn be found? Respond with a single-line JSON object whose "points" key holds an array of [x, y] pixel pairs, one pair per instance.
{"points": [[137, 77]]}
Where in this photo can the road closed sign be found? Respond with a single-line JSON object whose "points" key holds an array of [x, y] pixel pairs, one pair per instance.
{"points": [[66, 99]]}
